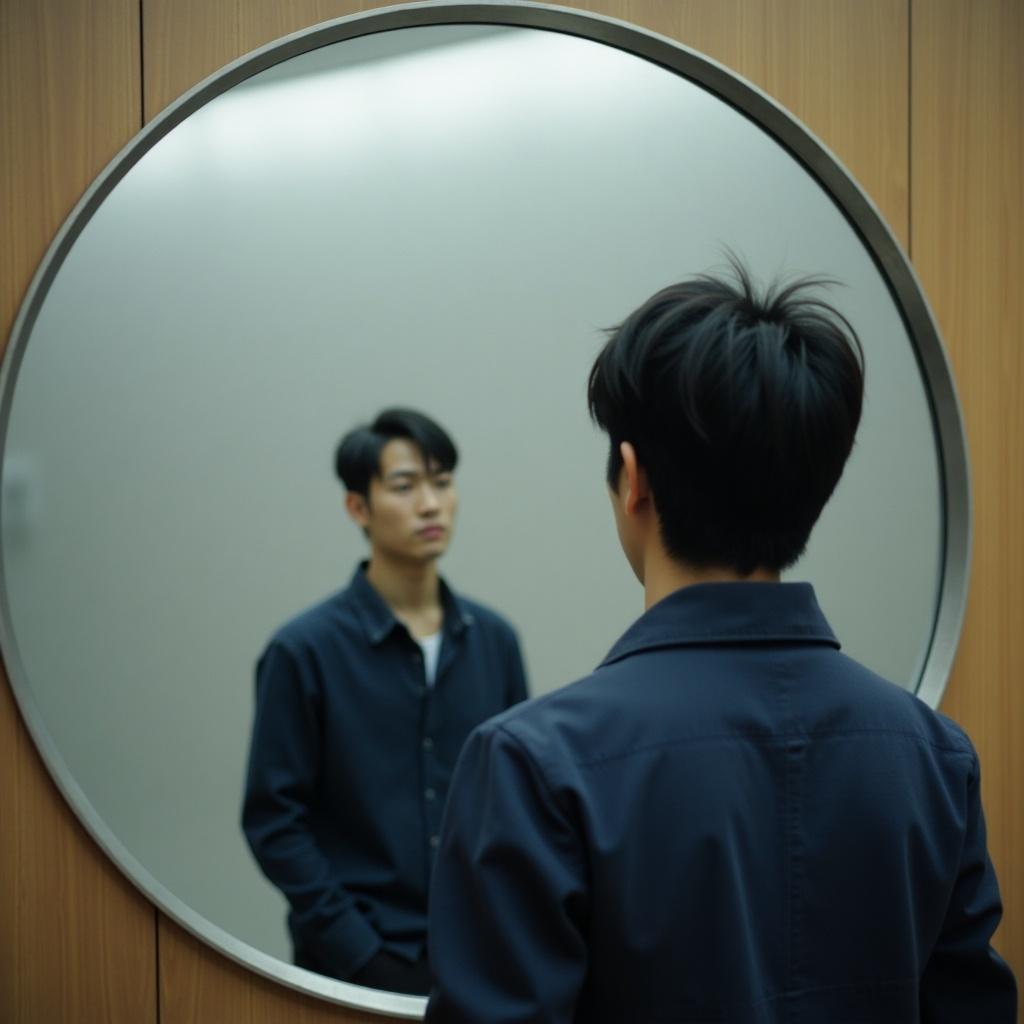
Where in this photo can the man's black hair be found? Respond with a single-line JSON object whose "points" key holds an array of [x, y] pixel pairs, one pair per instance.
{"points": [[357, 458], [742, 408]]}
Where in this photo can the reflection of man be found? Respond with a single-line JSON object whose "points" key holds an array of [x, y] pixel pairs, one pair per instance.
{"points": [[363, 704], [728, 820]]}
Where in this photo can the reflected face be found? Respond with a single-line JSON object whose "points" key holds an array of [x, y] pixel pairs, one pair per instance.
{"points": [[409, 511]]}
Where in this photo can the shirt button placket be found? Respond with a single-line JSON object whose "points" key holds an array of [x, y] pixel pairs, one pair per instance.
{"points": [[430, 810], [420, 670], [429, 793]]}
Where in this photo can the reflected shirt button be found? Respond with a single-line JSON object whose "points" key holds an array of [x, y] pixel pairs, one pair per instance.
{"points": [[430, 793], [428, 743], [435, 841]]}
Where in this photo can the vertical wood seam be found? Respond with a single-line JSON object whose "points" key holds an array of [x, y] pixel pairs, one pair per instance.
{"points": [[142, 64], [910, 132]]}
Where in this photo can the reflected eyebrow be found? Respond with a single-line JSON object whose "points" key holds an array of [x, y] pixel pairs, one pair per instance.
{"points": [[415, 474]]}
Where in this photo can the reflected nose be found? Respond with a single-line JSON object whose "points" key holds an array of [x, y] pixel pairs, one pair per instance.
{"points": [[429, 505]]}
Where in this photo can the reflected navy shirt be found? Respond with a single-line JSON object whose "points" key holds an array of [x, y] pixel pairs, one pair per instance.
{"points": [[729, 820], [350, 762]]}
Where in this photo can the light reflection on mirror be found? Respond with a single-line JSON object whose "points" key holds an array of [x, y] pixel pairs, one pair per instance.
{"points": [[445, 217]]}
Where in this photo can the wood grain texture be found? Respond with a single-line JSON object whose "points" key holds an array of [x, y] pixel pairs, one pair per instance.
{"points": [[77, 940], [198, 986], [968, 247]]}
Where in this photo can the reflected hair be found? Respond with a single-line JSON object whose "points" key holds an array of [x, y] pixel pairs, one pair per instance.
{"points": [[357, 457], [742, 406]]}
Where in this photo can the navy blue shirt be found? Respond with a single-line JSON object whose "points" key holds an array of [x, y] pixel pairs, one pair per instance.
{"points": [[729, 820], [350, 762]]}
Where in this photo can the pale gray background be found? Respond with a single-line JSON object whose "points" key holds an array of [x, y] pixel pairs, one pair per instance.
{"points": [[441, 217]]}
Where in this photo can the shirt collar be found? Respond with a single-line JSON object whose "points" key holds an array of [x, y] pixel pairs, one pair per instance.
{"points": [[379, 620], [728, 613]]}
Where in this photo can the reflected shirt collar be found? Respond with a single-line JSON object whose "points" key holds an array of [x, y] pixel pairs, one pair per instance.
{"points": [[379, 620], [728, 613]]}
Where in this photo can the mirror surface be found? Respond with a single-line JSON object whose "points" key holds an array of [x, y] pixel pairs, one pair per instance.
{"points": [[445, 217]]}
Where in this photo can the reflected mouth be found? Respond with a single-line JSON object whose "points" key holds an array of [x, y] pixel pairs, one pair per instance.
{"points": [[431, 532]]}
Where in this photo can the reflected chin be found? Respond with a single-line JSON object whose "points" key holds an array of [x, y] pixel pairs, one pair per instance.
{"points": [[432, 547], [439, 537]]}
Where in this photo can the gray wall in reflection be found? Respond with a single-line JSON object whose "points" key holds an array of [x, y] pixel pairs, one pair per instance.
{"points": [[445, 218]]}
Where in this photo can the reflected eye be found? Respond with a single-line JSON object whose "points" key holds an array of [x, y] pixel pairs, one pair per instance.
{"points": [[442, 482]]}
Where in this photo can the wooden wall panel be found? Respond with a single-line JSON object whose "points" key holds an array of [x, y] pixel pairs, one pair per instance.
{"points": [[968, 244], [197, 986], [70, 96], [77, 940]]}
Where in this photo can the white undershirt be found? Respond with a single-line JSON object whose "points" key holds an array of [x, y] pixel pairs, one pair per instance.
{"points": [[431, 647]]}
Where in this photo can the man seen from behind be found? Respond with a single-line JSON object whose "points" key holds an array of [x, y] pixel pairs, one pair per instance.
{"points": [[729, 819]]}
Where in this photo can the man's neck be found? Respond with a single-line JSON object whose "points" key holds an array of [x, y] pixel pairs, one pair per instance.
{"points": [[664, 575], [410, 589]]}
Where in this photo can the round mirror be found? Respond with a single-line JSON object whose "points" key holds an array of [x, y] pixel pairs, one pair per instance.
{"points": [[441, 207]]}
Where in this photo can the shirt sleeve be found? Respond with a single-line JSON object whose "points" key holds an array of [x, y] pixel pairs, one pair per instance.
{"points": [[965, 980], [508, 900], [284, 768]]}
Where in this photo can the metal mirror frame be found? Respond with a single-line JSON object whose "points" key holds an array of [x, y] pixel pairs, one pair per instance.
{"points": [[715, 78]]}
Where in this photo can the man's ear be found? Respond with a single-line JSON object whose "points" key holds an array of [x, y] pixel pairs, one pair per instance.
{"points": [[358, 508], [637, 499]]}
